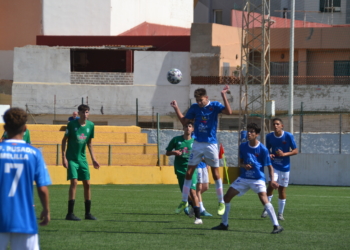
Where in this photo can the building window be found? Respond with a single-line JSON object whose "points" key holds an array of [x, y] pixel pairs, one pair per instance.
{"points": [[330, 5], [226, 69], [282, 68], [89, 60], [218, 16], [341, 68]]}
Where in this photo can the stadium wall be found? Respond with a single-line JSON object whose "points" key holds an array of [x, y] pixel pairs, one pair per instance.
{"points": [[320, 169], [41, 64], [127, 175], [312, 143]]}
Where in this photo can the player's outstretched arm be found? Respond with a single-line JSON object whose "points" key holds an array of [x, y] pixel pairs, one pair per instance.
{"points": [[43, 193], [63, 150], [227, 110], [91, 149], [179, 114]]}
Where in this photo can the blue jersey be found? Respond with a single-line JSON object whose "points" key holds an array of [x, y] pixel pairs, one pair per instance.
{"points": [[285, 142], [206, 121], [20, 165], [258, 157]]}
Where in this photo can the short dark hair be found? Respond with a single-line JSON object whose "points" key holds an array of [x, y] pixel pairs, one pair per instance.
{"points": [[15, 119], [83, 107], [189, 123], [255, 127], [200, 92], [277, 119]]}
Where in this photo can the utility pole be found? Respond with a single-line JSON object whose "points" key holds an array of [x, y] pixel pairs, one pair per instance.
{"points": [[291, 68], [255, 62]]}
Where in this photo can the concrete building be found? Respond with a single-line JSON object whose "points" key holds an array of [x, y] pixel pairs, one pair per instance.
{"points": [[125, 74], [333, 12], [21, 21]]}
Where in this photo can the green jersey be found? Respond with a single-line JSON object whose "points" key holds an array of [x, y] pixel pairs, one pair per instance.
{"points": [[26, 136], [78, 136], [179, 143]]}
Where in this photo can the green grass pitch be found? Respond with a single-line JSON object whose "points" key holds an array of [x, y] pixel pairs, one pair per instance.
{"points": [[142, 217]]}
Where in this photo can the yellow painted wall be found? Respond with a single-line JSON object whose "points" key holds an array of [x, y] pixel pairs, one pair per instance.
{"points": [[130, 175]]}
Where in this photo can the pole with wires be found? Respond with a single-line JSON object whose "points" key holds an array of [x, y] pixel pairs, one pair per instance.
{"points": [[291, 68]]}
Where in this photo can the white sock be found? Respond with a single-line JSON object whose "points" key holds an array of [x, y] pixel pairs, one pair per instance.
{"points": [[270, 198], [224, 218], [186, 189], [201, 206], [271, 212], [281, 205], [219, 191]]}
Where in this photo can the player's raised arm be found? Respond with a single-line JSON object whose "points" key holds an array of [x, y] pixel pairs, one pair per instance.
{"points": [[227, 110], [179, 114]]}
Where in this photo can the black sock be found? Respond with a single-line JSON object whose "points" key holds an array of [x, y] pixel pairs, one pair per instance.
{"points": [[87, 206], [197, 212], [190, 203], [71, 206]]}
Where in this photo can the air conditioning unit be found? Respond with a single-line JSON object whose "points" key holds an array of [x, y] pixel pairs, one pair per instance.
{"points": [[336, 9]]}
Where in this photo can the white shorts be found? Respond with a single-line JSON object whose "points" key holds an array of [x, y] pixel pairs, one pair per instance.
{"points": [[208, 151], [19, 241], [242, 185], [282, 178], [202, 175]]}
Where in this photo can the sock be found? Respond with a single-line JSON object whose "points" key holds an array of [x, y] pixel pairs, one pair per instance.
{"points": [[190, 203], [186, 189], [71, 206], [87, 206], [270, 198], [224, 218], [281, 205], [219, 192], [271, 212], [201, 206], [197, 212]]}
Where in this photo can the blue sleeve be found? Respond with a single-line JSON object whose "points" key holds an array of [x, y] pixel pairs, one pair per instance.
{"points": [[42, 177], [191, 114], [219, 107], [293, 145], [266, 159]]}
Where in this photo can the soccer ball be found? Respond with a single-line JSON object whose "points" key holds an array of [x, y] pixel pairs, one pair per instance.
{"points": [[174, 76]]}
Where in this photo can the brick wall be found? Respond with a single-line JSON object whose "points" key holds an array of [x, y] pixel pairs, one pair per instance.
{"points": [[102, 78]]}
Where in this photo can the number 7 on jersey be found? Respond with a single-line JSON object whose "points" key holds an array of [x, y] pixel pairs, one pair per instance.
{"points": [[15, 181]]}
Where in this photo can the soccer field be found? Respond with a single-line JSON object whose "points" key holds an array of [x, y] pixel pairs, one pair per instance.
{"points": [[142, 217]]}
